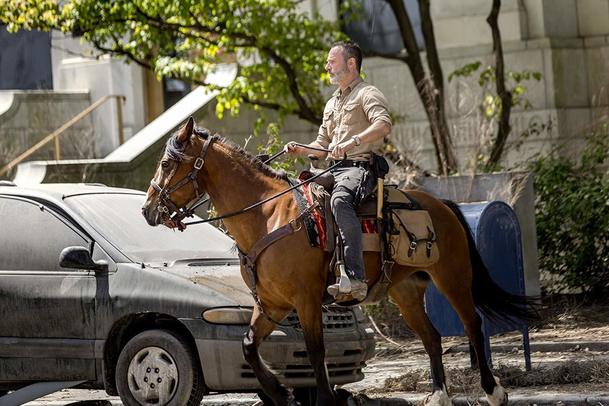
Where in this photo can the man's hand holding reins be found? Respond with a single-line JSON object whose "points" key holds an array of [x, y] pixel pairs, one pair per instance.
{"points": [[340, 150], [292, 149]]}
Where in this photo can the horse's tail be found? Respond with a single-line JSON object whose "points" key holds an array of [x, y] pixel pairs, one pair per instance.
{"points": [[490, 299]]}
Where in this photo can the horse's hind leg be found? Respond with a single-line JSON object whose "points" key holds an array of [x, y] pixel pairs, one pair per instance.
{"points": [[311, 321], [409, 296], [261, 327], [460, 297]]}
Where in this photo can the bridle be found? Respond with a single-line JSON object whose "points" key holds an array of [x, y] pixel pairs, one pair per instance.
{"points": [[168, 206]]}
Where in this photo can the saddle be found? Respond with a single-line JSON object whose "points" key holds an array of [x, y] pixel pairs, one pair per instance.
{"points": [[401, 231]]}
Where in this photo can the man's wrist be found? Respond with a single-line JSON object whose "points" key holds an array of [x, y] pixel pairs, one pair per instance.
{"points": [[357, 140]]}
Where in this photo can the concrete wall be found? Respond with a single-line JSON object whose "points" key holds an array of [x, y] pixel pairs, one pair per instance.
{"points": [[570, 99], [592, 17], [133, 163], [463, 23], [28, 116], [74, 68]]}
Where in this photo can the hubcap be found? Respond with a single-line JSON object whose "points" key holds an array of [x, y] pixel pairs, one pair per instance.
{"points": [[152, 376]]}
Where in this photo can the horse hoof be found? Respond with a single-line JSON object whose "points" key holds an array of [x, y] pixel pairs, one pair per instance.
{"points": [[438, 398], [499, 397]]}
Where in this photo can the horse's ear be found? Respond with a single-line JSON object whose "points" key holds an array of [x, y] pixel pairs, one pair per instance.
{"points": [[186, 131]]}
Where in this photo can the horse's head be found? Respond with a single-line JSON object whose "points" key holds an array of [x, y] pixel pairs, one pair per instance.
{"points": [[175, 189]]}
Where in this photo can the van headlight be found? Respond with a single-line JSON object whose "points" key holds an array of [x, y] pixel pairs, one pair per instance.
{"points": [[228, 315]]}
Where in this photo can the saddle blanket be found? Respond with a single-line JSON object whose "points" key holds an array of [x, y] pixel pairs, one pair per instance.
{"points": [[317, 223]]}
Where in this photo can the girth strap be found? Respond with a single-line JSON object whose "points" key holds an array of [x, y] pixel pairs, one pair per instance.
{"points": [[249, 260]]}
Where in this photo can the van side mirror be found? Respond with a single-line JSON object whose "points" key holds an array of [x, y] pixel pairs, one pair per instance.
{"points": [[80, 258]]}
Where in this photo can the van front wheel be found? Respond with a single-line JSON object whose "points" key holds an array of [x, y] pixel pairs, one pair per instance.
{"points": [[158, 367]]}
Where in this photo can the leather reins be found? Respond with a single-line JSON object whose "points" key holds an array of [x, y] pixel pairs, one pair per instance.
{"points": [[248, 260]]}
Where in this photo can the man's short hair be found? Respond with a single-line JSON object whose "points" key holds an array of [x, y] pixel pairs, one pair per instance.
{"points": [[351, 50]]}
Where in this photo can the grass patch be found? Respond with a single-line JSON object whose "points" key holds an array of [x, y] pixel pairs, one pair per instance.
{"points": [[466, 380]]}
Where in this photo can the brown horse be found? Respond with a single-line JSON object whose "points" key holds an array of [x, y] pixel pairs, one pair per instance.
{"points": [[292, 274]]}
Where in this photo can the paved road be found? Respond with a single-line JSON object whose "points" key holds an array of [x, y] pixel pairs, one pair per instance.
{"points": [[412, 357]]}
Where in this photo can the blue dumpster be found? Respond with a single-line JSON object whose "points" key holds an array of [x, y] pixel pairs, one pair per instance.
{"points": [[497, 235]]}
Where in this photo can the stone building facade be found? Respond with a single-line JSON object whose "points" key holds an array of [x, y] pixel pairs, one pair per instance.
{"points": [[567, 41]]}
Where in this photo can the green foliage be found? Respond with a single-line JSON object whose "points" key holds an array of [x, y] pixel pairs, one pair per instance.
{"points": [[491, 104], [465, 71], [275, 144], [280, 51], [572, 216]]}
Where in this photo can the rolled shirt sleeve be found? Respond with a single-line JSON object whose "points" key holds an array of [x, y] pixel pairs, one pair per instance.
{"points": [[323, 139], [323, 135], [375, 106]]}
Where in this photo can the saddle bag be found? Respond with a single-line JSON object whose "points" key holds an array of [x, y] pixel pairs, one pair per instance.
{"points": [[412, 237]]}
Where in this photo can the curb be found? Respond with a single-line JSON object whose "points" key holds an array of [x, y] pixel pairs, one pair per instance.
{"points": [[515, 399], [541, 346], [397, 399], [211, 402]]}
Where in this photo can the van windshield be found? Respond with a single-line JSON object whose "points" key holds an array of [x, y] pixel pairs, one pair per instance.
{"points": [[118, 217]]}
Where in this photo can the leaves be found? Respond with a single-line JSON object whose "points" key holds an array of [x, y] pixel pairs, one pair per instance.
{"points": [[465, 71], [491, 104], [280, 51], [572, 217]]}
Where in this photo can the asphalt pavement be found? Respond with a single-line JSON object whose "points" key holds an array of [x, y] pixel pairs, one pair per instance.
{"points": [[370, 391]]}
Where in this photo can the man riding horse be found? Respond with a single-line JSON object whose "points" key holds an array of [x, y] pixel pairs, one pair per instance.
{"points": [[355, 122], [269, 231]]}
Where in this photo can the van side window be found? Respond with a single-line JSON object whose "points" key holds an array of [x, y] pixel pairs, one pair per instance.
{"points": [[33, 236]]}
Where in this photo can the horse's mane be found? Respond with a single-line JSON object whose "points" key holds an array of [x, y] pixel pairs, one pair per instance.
{"points": [[175, 150]]}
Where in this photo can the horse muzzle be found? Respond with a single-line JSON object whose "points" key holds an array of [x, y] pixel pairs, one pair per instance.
{"points": [[156, 214], [153, 216]]}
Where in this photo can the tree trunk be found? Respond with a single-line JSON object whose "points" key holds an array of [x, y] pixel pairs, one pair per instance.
{"points": [[437, 89], [505, 95], [430, 89]]}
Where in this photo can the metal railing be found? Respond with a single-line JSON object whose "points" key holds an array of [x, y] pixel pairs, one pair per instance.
{"points": [[54, 136]]}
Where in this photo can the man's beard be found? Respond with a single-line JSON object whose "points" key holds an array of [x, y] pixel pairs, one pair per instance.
{"points": [[335, 78]]}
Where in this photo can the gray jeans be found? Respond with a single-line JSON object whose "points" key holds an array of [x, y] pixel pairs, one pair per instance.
{"points": [[351, 185]]}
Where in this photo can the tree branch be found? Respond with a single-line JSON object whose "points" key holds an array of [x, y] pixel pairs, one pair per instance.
{"points": [[436, 83], [305, 111], [120, 51], [504, 94], [266, 105], [433, 100], [433, 60], [409, 39]]}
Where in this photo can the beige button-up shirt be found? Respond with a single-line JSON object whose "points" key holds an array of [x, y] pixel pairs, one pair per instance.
{"points": [[349, 113]]}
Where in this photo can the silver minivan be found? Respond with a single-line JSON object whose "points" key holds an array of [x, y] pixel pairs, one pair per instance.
{"points": [[89, 293]]}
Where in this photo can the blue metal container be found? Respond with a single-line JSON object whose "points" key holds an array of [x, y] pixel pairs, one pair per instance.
{"points": [[497, 235]]}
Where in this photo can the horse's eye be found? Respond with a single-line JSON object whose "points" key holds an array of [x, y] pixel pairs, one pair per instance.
{"points": [[165, 164]]}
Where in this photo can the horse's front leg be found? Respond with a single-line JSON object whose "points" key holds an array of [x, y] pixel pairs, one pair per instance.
{"points": [[310, 316], [260, 328]]}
